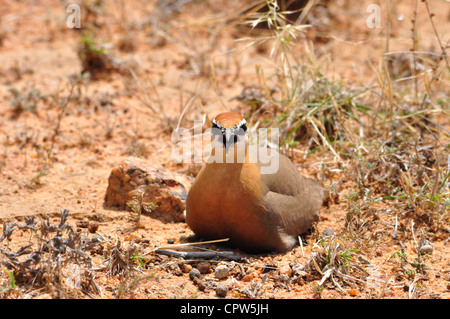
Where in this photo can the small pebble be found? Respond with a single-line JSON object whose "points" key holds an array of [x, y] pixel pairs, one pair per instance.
{"points": [[221, 290], [327, 232], [248, 277], [96, 239], [194, 273], [202, 285], [221, 272], [177, 272], [186, 268], [426, 247], [353, 292], [140, 224], [203, 267], [286, 270], [92, 226]]}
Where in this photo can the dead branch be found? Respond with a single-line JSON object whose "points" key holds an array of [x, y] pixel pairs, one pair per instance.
{"points": [[200, 254]]}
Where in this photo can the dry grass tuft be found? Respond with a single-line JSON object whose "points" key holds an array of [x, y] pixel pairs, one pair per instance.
{"points": [[336, 265], [55, 257]]}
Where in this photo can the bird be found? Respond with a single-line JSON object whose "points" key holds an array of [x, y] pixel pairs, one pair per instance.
{"points": [[233, 197]]}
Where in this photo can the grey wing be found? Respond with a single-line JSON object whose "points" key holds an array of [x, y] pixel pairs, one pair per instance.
{"points": [[292, 199]]}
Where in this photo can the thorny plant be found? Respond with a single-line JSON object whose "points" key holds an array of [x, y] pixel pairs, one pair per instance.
{"points": [[56, 256], [120, 259], [51, 249]]}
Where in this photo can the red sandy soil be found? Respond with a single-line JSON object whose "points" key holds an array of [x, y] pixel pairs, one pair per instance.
{"points": [[108, 120]]}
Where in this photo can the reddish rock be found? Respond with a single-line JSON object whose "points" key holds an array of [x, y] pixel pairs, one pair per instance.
{"points": [[135, 185]]}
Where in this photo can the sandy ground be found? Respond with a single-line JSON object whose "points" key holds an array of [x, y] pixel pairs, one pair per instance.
{"points": [[53, 160]]}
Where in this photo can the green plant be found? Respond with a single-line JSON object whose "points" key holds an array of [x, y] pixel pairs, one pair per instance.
{"points": [[94, 58], [417, 264], [317, 290], [12, 281], [9, 286], [335, 264]]}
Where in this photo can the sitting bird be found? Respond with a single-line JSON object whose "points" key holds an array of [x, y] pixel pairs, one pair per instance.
{"points": [[235, 195]]}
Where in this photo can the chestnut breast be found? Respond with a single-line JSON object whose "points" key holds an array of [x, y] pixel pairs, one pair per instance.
{"points": [[224, 201]]}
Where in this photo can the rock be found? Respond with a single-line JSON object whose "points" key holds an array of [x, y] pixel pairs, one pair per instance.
{"points": [[285, 270], [327, 232], [186, 268], [196, 280], [248, 277], [221, 290], [194, 273], [204, 267], [221, 272], [202, 285], [353, 292], [178, 272], [96, 239], [425, 247], [92, 226], [135, 185]]}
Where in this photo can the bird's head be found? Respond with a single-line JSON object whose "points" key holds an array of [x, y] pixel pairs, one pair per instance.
{"points": [[229, 129]]}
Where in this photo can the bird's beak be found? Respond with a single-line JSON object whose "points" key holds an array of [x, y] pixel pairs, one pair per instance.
{"points": [[227, 145], [228, 139]]}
